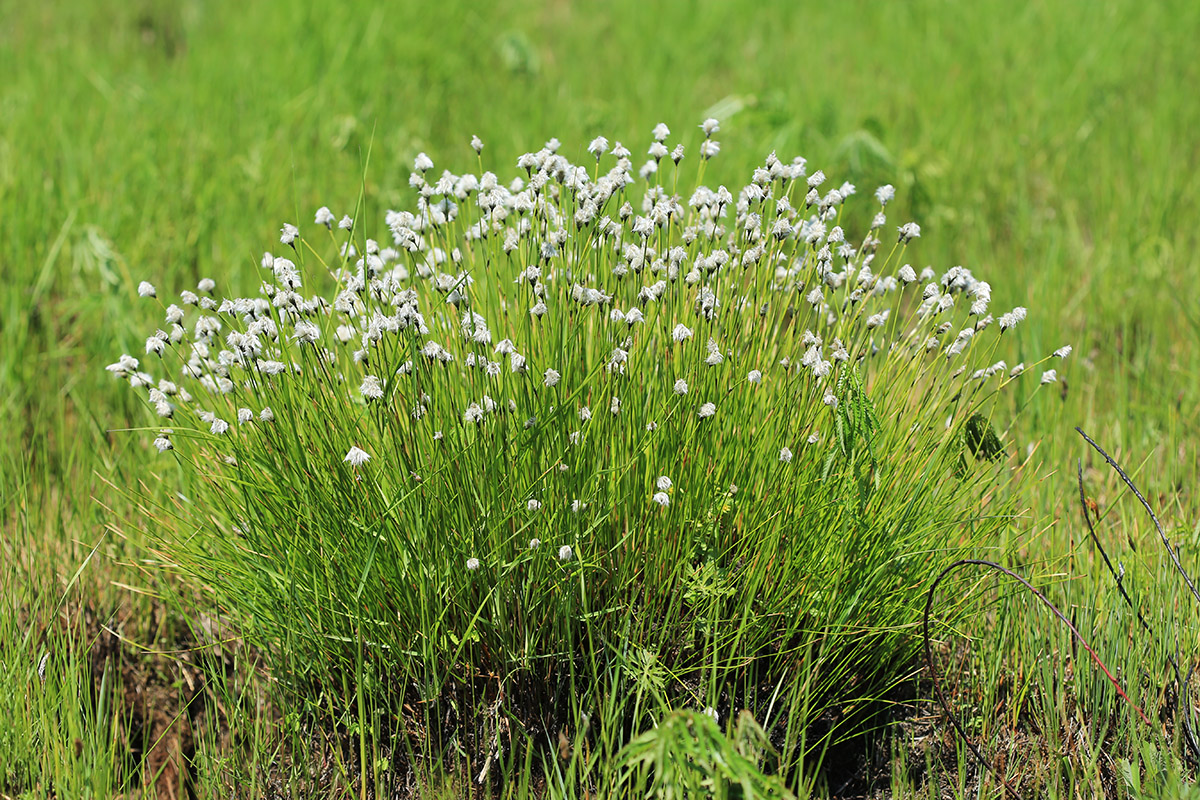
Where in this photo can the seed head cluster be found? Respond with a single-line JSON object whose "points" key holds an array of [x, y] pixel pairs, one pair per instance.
{"points": [[488, 319]]}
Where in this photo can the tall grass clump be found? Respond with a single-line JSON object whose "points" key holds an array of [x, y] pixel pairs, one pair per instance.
{"points": [[585, 444]]}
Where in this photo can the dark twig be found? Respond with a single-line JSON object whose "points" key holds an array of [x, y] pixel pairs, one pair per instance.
{"points": [[1117, 579], [937, 686], [1183, 683], [1153, 518]]}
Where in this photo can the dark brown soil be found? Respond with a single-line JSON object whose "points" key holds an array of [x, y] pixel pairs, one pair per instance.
{"points": [[161, 687]]}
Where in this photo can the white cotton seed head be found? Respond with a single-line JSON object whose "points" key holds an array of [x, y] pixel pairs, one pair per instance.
{"points": [[371, 388], [1049, 376], [472, 564], [565, 553], [356, 457], [662, 499], [663, 483], [785, 455], [707, 410], [551, 377], [1012, 318], [681, 387], [1063, 351], [909, 231], [146, 289]]}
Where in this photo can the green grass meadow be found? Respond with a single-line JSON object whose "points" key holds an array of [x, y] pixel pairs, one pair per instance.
{"points": [[1049, 146]]}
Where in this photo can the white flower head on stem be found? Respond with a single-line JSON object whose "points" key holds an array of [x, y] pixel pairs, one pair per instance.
{"points": [[371, 388], [598, 147], [1012, 318], [356, 456], [909, 231]]}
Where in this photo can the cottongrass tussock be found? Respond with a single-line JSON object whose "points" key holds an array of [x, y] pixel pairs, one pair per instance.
{"points": [[421, 400]]}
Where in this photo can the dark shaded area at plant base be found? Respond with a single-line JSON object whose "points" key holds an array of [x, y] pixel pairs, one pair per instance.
{"points": [[170, 698], [167, 698]]}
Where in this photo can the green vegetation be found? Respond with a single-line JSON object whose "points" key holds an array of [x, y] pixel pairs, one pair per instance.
{"points": [[1048, 147]]}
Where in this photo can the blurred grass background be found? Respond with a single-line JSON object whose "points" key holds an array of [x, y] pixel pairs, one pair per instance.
{"points": [[1048, 145]]}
